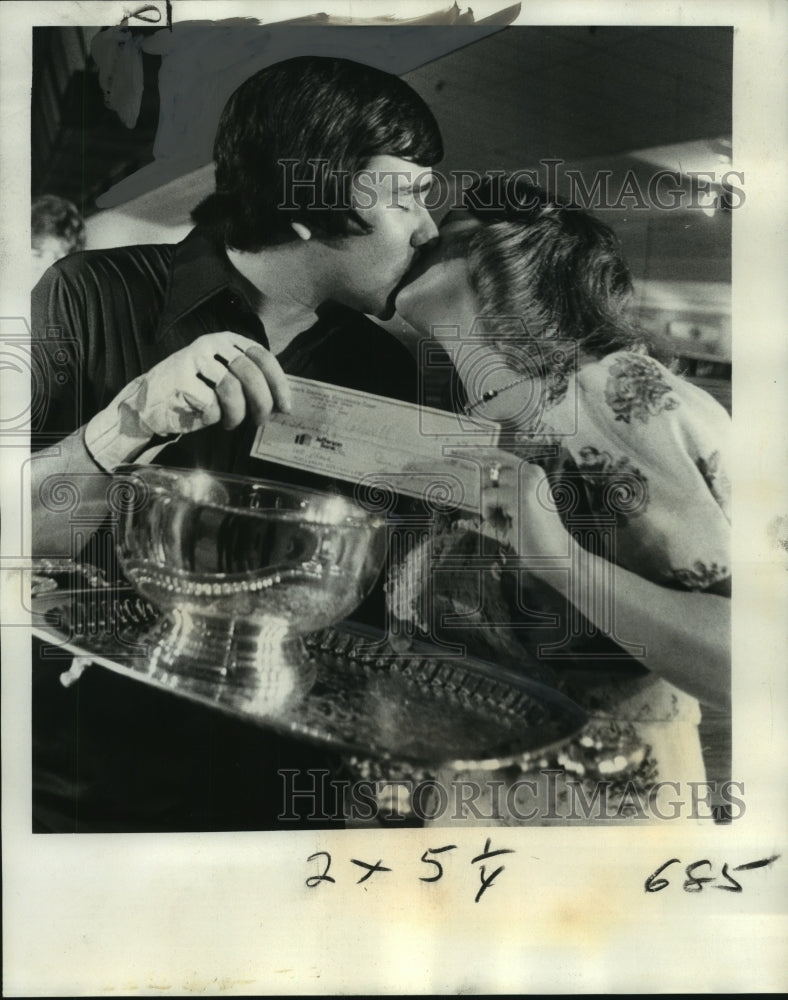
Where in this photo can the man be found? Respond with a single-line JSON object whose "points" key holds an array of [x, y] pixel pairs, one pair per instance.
{"points": [[293, 231], [315, 219]]}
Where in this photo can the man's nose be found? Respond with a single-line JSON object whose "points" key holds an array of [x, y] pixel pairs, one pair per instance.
{"points": [[426, 234]]}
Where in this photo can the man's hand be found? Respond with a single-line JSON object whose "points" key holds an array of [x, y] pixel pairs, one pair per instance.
{"points": [[220, 377]]}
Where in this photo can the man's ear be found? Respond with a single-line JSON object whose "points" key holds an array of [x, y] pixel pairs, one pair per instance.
{"points": [[303, 232]]}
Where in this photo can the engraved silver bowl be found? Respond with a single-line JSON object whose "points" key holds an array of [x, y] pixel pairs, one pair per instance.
{"points": [[241, 569]]}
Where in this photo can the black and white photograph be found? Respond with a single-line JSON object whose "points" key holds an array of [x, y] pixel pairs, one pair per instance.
{"points": [[394, 498]]}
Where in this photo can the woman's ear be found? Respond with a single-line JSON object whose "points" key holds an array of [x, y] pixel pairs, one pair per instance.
{"points": [[303, 232]]}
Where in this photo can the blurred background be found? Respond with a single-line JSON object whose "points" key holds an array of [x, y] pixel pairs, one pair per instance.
{"points": [[123, 123]]}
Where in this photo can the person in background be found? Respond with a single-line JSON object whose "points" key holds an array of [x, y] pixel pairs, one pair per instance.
{"points": [[56, 230]]}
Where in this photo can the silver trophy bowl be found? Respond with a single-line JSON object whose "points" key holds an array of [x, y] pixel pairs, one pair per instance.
{"points": [[241, 569]]}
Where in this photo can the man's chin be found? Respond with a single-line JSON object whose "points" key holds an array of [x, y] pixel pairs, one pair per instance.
{"points": [[391, 302], [387, 309], [387, 312]]}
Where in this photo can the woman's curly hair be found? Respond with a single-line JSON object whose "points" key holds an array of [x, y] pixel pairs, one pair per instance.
{"points": [[548, 269]]}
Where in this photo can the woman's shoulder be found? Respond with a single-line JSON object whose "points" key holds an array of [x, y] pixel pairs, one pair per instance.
{"points": [[636, 391], [631, 412]]}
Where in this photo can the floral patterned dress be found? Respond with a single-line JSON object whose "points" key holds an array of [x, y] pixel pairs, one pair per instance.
{"points": [[638, 459]]}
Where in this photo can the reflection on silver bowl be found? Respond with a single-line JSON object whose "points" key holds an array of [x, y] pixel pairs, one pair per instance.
{"points": [[241, 569]]}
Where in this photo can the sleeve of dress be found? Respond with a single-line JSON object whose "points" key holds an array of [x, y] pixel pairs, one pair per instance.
{"points": [[58, 331], [651, 453]]}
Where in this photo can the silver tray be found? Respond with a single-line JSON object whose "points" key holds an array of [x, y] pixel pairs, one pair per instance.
{"points": [[421, 708]]}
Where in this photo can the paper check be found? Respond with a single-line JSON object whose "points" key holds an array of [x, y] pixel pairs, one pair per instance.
{"points": [[372, 440]]}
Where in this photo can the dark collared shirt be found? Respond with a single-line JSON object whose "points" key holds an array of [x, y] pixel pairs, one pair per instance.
{"points": [[103, 317]]}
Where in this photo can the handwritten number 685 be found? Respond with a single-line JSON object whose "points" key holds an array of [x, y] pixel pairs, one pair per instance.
{"points": [[695, 882]]}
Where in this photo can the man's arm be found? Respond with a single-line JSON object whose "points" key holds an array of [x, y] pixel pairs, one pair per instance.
{"points": [[69, 468], [55, 471], [220, 377]]}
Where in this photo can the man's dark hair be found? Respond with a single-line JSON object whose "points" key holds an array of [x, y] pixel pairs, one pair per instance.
{"points": [[51, 215], [309, 119]]}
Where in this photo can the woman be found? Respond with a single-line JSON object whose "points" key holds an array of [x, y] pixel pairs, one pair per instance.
{"points": [[620, 462]]}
